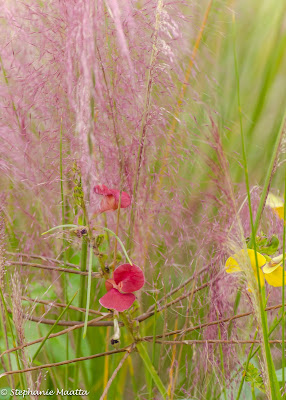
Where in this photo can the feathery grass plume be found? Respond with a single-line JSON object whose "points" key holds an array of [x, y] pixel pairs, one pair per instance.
{"points": [[19, 324], [118, 88], [232, 233]]}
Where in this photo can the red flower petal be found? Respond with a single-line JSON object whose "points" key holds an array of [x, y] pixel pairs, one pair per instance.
{"points": [[115, 300], [108, 203], [130, 277], [103, 190], [109, 284], [125, 198], [111, 198]]}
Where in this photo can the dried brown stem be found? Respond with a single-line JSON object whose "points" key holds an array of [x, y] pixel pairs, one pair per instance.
{"points": [[53, 304], [66, 323], [178, 288], [220, 321], [78, 326], [115, 372], [74, 360], [49, 259], [50, 268], [211, 341], [146, 315]]}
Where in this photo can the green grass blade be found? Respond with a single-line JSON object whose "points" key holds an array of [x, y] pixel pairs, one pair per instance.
{"points": [[60, 226], [53, 327], [148, 364], [88, 291], [121, 244], [81, 305], [273, 382]]}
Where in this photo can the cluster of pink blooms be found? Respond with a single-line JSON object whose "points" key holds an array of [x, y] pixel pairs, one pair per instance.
{"points": [[126, 278]]}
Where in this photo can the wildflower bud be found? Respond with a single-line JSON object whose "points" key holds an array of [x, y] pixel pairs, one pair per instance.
{"points": [[80, 231], [115, 339], [114, 342], [99, 240]]}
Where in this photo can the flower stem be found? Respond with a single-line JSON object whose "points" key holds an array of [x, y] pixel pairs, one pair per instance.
{"points": [[260, 296], [88, 291], [120, 242], [65, 278], [145, 358], [52, 328], [83, 262]]}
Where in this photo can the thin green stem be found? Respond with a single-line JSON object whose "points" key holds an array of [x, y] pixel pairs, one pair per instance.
{"points": [[12, 334], [52, 328], [153, 346], [269, 173], [88, 291], [246, 367], [120, 242], [235, 306], [65, 277], [271, 377], [145, 357], [251, 355], [148, 364], [221, 361], [60, 226], [83, 262]]}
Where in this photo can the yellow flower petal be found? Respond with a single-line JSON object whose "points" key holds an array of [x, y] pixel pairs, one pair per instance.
{"points": [[269, 268], [277, 205], [274, 201], [261, 276], [279, 211], [260, 258], [276, 278], [232, 263]]}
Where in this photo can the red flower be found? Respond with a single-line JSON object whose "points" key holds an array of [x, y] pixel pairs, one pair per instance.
{"points": [[127, 278], [111, 197]]}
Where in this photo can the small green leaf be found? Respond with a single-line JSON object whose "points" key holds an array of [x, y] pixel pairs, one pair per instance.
{"points": [[253, 376], [99, 240]]}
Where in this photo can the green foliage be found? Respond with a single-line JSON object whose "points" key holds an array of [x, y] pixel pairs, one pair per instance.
{"points": [[265, 245], [254, 377]]}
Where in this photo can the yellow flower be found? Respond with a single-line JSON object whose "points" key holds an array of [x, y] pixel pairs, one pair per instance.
{"points": [[277, 205], [273, 272], [233, 263]]}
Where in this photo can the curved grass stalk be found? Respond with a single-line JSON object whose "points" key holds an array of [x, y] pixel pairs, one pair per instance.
{"points": [[246, 366], [12, 334], [120, 242], [148, 364], [53, 327], [60, 226], [88, 291], [146, 359], [81, 305], [272, 383], [64, 245]]}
